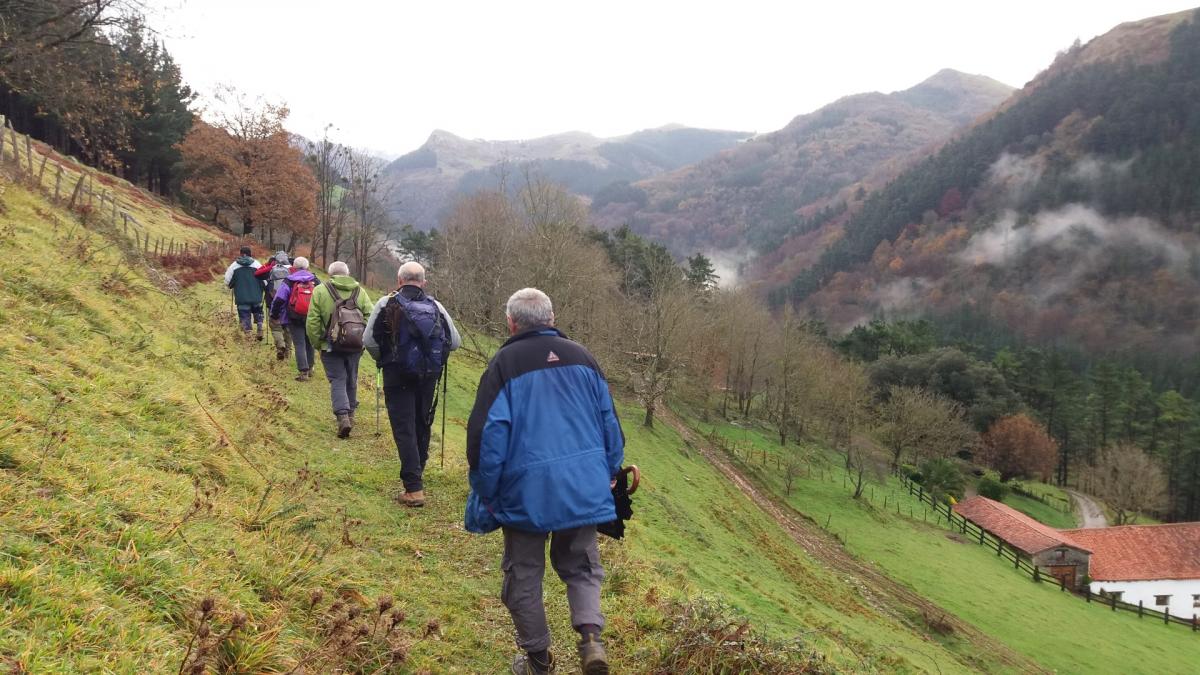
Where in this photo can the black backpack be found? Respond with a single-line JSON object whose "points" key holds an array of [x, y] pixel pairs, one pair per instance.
{"points": [[419, 343]]}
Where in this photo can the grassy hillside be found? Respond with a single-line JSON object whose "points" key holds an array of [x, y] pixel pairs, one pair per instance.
{"points": [[896, 532], [153, 459]]}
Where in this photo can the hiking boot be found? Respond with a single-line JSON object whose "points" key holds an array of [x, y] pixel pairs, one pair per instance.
{"points": [[523, 665], [414, 499], [259, 336], [351, 418], [344, 425], [592, 658], [303, 376], [280, 353]]}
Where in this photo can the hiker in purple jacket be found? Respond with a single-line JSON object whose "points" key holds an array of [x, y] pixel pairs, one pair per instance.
{"points": [[292, 315]]}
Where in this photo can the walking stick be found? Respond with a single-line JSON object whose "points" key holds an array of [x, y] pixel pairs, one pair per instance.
{"points": [[445, 381], [378, 386]]}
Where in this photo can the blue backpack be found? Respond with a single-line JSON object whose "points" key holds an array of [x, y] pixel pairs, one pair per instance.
{"points": [[419, 341]]}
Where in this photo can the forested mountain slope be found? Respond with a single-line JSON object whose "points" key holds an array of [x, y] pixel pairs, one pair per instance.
{"points": [[770, 188], [1069, 216], [422, 184]]}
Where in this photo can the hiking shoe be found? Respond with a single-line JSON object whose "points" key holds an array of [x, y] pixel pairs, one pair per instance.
{"points": [[344, 425], [280, 353], [414, 499], [259, 336], [592, 658], [523, 665], [303, 376]]}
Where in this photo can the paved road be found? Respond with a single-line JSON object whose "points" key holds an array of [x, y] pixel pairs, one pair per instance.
{"points": [[1089, 510]]}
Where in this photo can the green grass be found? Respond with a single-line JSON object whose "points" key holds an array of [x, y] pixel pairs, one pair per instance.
{"points": [[1043, 512], [122, 504], [1055, 629]]}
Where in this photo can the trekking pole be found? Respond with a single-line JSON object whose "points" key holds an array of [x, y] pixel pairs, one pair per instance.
{"points": [[378, 386], [445, 382]]}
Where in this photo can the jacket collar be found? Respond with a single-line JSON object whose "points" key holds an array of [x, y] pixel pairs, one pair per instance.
{"points": [[532, 332]]}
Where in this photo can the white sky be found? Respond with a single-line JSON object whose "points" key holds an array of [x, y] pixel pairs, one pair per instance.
{"points": [[388, 72]]}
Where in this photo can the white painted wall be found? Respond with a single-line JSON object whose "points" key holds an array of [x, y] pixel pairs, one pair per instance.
{"points": [[1180, 590]]}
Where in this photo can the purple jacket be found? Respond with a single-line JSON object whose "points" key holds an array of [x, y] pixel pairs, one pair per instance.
{"points": [[279, 304]]}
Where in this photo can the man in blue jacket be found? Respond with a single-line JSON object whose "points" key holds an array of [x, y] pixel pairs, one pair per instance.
{"points": [[544, 445]]}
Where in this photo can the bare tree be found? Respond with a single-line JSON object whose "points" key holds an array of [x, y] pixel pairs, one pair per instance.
{"points": [[370, 224], [1129, 480], [923, 424], [328, 161]]}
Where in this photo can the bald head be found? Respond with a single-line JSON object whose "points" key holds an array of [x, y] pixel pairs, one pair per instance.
{"points": [[411, 274]]}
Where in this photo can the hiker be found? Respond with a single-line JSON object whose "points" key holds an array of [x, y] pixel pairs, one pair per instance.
{"points": [[273, 274], [544, 446], [289, 309], [337, 318], [247, 291], [410, 335]]}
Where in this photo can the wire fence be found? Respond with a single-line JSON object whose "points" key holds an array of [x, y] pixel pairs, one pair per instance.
{"points": [[30, 164]]}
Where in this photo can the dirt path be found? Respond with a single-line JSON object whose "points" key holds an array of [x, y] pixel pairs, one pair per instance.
{"points": [[879, 590], [1089, 510]]}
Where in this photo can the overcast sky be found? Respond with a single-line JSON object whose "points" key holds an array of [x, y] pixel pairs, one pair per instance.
{"points": [[388, 72]]}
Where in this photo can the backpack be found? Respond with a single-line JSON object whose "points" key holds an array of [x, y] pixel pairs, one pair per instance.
{"points": [[300, 299], [419, 341], [346, 325], [277, 274]]}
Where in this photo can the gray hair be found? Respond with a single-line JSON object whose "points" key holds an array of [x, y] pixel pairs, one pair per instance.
{"points": [[411, 271], [530, 308], [337, 267], [300, 263]]}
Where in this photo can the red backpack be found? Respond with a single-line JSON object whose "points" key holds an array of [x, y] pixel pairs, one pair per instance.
{"points": [[300, 299]]}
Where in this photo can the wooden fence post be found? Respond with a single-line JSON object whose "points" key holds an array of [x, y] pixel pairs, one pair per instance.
{"points": [[1037, 574], [75, 193], [42, 170], [1113, 601], [1140, 609], [29, 156], [57, 182], [1193, 623], [1167, 615], [1087, 593]]}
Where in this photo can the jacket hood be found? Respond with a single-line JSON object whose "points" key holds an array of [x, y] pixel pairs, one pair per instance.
{"points": [[301, 276], [343, 282], [245, 260]]}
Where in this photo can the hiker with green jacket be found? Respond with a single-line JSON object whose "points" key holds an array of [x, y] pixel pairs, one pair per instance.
{"points": [[337, 319], [247, 291]]}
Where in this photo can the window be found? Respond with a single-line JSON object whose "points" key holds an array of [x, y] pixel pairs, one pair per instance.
{"points": [[1112, 595], [1162, 600], [1196, 600]]}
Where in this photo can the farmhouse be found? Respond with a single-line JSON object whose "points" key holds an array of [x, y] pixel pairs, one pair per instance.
{"points": [[1157, 565], [1052, 551]]}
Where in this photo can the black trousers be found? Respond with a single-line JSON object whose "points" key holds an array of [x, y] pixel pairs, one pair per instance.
{"points": [[408, 403]]}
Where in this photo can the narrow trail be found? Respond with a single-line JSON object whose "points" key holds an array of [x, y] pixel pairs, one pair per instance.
{"points": [[881, 591], [1089, 510]]}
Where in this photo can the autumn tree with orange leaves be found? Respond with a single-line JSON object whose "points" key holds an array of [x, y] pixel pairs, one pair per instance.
{"points": [[1018, 447], [244, 162]]}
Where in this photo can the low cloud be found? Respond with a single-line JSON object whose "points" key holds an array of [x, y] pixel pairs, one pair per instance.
{"points": [[729, 265], [903, 296], [1072, 228]]}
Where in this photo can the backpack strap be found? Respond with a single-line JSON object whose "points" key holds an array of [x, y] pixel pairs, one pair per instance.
{"points": [[334, 294], [353, 300]]}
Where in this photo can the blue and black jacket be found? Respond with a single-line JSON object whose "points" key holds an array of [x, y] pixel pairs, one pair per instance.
{"points": [[543, 440]]}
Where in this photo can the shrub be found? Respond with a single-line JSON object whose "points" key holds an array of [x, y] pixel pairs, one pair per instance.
{"points": [[992, 489], [942, 478]]}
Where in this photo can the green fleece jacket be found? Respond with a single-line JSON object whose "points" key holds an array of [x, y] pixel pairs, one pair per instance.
{"points": [[320, 310]]}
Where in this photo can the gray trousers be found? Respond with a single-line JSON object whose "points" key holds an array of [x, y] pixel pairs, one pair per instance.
{"points": [[341, 369], [280, 333], [304, 348], [575, 557]]}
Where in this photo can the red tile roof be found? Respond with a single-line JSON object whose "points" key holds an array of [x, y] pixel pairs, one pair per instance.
{"points": [[1142, 552], [1019, 530]]}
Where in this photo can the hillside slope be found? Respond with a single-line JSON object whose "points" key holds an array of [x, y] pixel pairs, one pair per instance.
{"points": [[1067, 217], [153, 459], [765, 190], [422, 184]]}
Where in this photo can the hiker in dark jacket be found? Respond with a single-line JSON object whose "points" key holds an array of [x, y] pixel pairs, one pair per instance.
{"points": [[410, 335], [340, 362], [247, 291], [272, 274], [291, 316], [544, 446]]}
